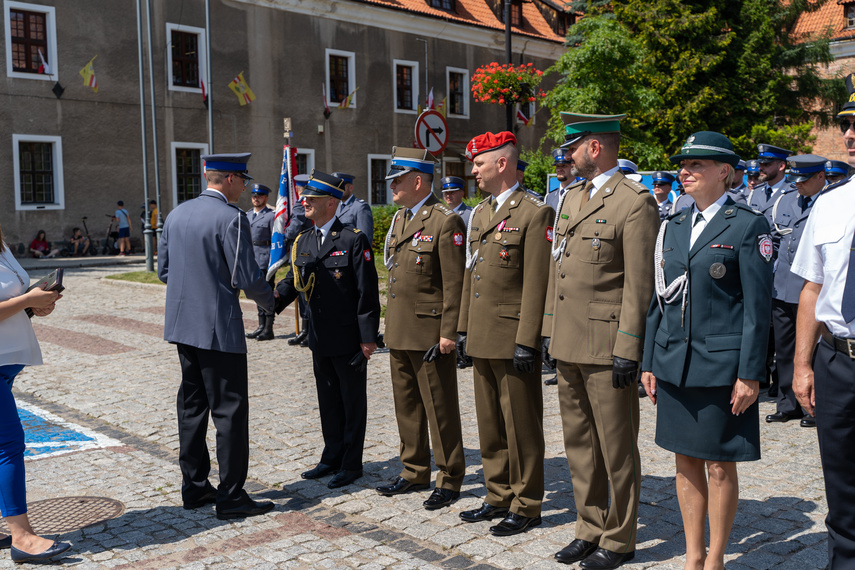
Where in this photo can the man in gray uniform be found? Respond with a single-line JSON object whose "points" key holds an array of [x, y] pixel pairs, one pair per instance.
{"points": [[205, 258], [771, 160], [353, 212], [562, 174], [261, 227], [452, 194], [791, 212]]}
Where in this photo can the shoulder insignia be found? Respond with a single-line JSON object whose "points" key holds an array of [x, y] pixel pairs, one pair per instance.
{"points": [[356, 230], [831, 187], [536, 201], [442, 208], [747, 208], [637, 186]]}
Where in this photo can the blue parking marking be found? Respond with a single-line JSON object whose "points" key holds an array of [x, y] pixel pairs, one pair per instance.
{"points": [[47, 435]]}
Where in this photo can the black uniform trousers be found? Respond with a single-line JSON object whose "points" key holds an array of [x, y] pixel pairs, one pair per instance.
{"points": [[212, 382], [784, 325], [343, 406], [834, 386]]}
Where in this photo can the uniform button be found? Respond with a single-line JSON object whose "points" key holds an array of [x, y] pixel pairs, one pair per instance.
{"points": [[562, 275], [396, 264], [561, 297], [571, 233], [567, 254], [505, 241], [596, 233], [398, 250], [394, 279], [477, 278], [518, 315], [685, 340], [418, 249], [483, 242], [480, 259], [433, 311], [613, 316], [476, 295], [393, 295]]}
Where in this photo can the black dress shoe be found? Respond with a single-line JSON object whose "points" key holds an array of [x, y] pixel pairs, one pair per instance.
{"points": [[483, 513], [603, 559], [344, 477], [575, 551], [400, 486], [780, 417], [441, 498], [242, 507], [304, 334], [6, 542], [318, 471], [57, 548], [208, 497], [808, 422], [514, 524], [551, 381]]}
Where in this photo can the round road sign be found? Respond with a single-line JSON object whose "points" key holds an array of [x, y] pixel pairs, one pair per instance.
{"points": [[431, 131]]}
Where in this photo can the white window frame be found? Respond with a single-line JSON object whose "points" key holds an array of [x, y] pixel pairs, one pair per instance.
{"points": [[351, 75], [530, 106], [850, 17], [414, 65], [203, 59], [58, 186], [388, 159], [175, 145], [465, 72], [310, 159], [50, 24]]}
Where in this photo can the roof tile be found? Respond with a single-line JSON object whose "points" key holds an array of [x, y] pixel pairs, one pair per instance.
{"points": [[830, 16]]}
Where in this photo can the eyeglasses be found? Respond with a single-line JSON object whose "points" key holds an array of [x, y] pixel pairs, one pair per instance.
{"points": [[243, 178], [662, 184], [846, 124]]}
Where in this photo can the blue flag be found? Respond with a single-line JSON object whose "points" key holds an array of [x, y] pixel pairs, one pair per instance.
{"points": [[282, 217]]}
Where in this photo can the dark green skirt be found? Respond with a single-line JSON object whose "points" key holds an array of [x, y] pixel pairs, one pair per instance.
{"points": [[697, 422]]}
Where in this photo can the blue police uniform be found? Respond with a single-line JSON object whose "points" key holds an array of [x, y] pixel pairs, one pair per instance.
{"points": [[554, 196], [205, 258], [450, 184], [339, 281], [354, 212], [261, 228], [666, 178]]}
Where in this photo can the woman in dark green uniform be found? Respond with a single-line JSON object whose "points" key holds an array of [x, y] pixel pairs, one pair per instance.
{"points": [[705, 343]]}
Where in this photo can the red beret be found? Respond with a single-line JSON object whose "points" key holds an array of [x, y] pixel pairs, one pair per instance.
{"points": [[489, 141]]}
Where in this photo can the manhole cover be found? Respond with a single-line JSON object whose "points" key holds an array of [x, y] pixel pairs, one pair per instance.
{"points": [[65, 514]]}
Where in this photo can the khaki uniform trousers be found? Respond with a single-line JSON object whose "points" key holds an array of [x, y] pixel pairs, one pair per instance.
{"points": [[426, 399], [601, 440], [509, 407]]}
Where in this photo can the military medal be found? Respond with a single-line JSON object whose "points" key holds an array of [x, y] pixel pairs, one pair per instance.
{"points": [[419, 260], [415, 241], [337, 274], [595, 243], [717, 270], [505, 254]]}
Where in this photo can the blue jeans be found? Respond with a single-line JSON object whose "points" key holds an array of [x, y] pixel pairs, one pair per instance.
{"points": [[13, 492]]}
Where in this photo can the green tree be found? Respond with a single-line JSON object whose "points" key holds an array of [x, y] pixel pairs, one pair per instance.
{"points": [[539, 166], [680, 66]]}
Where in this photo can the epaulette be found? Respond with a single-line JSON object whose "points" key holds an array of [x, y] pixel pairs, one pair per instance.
{"points": [[637, 186], [356, 230], [307, 230], [837, 184], [677, 213], [748, 208], [537, 201], [443, 208]]}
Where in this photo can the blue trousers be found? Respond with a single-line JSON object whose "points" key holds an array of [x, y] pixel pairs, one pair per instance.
{"points": [[13, 491]]}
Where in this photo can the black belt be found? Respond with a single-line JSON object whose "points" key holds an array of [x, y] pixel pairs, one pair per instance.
{"points": [[844, 345], [261, 242]]}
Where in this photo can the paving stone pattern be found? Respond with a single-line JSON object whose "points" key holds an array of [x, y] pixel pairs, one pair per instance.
{"points": [[108, 369]]}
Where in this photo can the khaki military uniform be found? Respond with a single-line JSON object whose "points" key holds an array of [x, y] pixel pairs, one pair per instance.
{"points": [[427, 259], [600, 286], [502, 306]]}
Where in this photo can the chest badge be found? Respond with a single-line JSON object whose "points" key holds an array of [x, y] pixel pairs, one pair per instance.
{"points": [[504, 254], [337, 274], [419, 260], [595, 244], [717, 270]]}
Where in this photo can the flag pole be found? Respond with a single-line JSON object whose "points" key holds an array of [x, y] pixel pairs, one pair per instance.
{"points": [[148, 231], [153, 123], [208, 78], [288, 143]]}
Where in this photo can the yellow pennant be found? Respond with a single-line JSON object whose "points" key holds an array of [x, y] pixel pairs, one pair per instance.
{"points": [[241, 89]]}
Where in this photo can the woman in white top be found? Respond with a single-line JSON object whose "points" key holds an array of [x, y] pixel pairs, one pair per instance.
{"points": [[18, 348]]}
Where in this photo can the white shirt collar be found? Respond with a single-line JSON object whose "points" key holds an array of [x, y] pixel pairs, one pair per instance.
{"points": [[601, 179], [500, 199], [220, 193], [418, 206], [325, 229], [711, 210]]}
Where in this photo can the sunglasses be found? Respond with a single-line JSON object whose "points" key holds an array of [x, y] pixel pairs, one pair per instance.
{"points": [[846, 124]]}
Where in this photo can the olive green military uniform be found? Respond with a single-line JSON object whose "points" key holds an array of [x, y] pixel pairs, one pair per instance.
{"points": [[601, 283], [502, 306], [427, 259]]}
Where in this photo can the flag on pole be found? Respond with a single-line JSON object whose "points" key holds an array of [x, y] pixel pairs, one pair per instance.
{"points": [[521, 116], [345, 104], [442, 108], [430, 104], [282, 217], [240, 88], [326, 105], [88, 75], [43, 67], [204, 93]]}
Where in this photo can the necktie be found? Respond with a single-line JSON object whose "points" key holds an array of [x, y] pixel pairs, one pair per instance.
{"points": [[768, 191], [407, 217], [803, 202], [493, 208], [586, 194], [320, 237], [847, 308], [254, 213]]}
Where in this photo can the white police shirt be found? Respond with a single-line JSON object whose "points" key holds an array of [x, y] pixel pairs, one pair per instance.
{"points": [[823, 254]]}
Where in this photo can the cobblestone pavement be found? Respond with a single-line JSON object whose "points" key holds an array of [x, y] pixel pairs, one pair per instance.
{"points": [[108, 370]]}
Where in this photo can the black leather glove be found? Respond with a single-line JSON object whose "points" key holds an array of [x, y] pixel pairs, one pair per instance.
{"points": [[544, 349], [525, 359], [432, 353], [463, 359], [359, 362], [624, 373]]}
